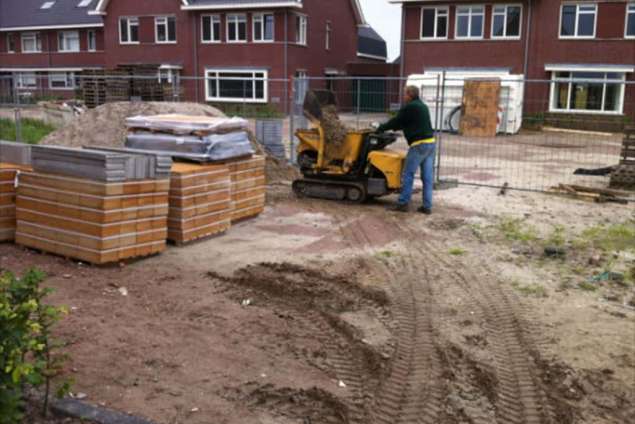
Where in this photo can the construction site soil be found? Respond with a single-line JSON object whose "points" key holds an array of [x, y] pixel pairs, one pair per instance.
{"points": [[318, 312]]}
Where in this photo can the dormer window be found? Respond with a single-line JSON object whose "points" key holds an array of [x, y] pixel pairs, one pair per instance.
{"points": [[47, 5]]}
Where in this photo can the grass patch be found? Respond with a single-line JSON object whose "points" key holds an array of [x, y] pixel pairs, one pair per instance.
{"points": [[386, 254], [457, 251], [557, 237], [515, 229], [609, 238], [587, 286], [33, 130], [535, 290]]}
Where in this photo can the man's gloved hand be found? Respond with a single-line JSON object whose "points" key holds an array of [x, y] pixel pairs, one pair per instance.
{"points": [[375, 126]]}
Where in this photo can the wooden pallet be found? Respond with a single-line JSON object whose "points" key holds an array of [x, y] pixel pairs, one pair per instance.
{"points": [[200, 202], [91, 221]]}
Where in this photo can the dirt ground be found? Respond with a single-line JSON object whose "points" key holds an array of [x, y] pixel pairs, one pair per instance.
{"points": [[317, 312]]}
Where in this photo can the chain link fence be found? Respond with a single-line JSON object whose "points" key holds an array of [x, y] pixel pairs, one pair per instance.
{"points": [[545, 130]]}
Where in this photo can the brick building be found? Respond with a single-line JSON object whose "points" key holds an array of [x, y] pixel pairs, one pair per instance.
{"points": [[583, 52], [244, 49]]}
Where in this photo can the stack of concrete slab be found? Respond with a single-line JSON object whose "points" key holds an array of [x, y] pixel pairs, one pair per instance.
{"points": [[98, 165], [15, 153], [94, 221], [200, 202], [194, 138], [248, 187]]}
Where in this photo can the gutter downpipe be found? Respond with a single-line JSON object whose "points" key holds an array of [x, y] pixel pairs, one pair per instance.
{"points": [[195, 49], [527, 44]]}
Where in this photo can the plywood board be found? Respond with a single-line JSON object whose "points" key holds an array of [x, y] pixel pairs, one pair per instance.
{"points": [[480, 108]]}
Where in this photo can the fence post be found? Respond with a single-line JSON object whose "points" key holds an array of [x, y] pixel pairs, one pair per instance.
{"points": [[175, 87], [359, 100], [291, 101], [440, 133], [18, 125]]}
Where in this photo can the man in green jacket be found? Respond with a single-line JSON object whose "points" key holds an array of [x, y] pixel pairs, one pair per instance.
{"points": [[414, 120]]}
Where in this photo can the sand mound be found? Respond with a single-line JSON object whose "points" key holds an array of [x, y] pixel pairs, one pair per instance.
{"points": [[106, 125]]}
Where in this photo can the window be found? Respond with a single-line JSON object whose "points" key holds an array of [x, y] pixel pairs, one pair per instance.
{"points": [[263, 27], [300, 29], [587, 92], [578, 20], [210, 28], [62, 80], [165, 29], [630, 21], [84, 3], [167, 75], [506, 21], [470, 21], [434, 22], [92, 40], [68, 41], [329, 30], [129, 30], [47, 5], [26, 80], [31, 42], [10, 43], [236, 86], [236, 28]]}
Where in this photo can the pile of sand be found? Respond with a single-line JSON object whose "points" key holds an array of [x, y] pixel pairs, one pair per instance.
{"points": [[106, 124]]}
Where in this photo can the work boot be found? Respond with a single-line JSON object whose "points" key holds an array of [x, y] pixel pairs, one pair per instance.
{"points": [[399, 207], [426, 211]]}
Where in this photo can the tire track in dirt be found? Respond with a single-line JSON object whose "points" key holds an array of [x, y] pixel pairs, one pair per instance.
{"points": [[412, 393], [520, 397]]}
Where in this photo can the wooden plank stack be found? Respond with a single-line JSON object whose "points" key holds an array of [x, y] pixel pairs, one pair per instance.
{"points": [[92, 221], [624, 174], [248, 187], [200, 202]]}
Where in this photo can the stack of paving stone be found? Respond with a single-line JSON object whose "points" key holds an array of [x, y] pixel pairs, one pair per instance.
{"points": [[248, 187], [200, 202], [98, 207], [14, 157]]}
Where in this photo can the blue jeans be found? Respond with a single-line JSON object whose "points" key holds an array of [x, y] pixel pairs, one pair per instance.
{"points": [[419, 157]]}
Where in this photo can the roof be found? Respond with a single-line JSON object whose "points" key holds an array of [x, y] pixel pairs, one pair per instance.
{"points": [[370, 44], [28, 14]]}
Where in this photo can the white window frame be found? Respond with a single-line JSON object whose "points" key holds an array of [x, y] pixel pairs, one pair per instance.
{"points": [[236, 19], [69, 77], [301, 30], [471, 13], [164, 21], [93, 33], [129, 24], [260, 17], [571, 80], [436, 9], [253, 72], [328, 35], [10, 36], [575, 35], [37, 39], [630, 10], [520, 26], [61, 41], [20, 77], [213, 19]]}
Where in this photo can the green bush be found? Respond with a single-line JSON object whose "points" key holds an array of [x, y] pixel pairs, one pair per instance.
{"points": [[33, 130], [28, 356], [247, 110]]}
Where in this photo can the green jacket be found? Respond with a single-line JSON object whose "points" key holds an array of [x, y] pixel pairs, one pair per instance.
{"points": [[414, 120]]}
